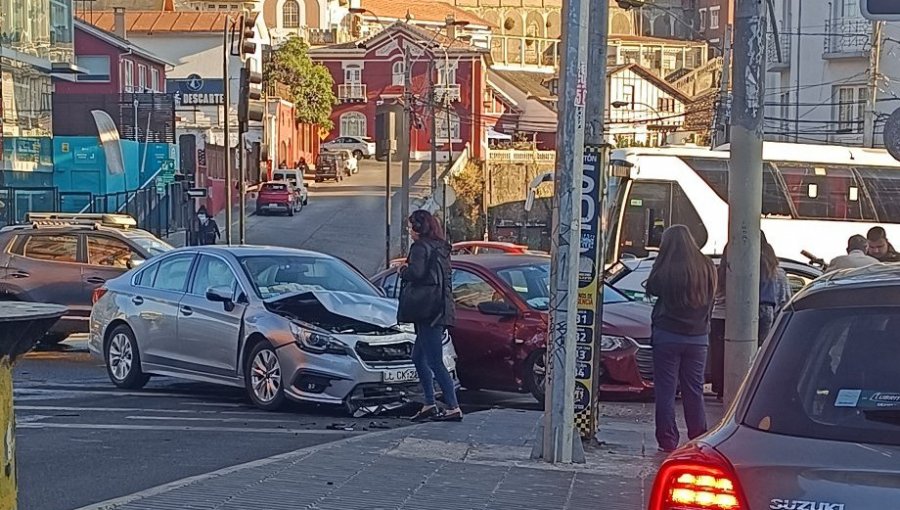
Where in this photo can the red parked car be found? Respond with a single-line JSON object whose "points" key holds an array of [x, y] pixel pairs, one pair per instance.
{"points": [[489, 247], [501, 329], [278, 197]]}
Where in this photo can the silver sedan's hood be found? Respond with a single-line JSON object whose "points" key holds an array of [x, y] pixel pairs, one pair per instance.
{"points": [[373, 310]]}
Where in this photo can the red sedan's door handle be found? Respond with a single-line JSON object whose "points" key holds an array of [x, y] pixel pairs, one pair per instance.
{"points": [[138, 300], [186, 310]]}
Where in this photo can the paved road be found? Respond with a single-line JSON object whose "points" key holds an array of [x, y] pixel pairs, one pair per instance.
{"points": [[81, 441]]}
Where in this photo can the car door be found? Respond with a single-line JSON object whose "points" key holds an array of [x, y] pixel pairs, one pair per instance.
{"points": [[45, 268], [155, 312], [209, 332], [484, 343], [107, 258]]}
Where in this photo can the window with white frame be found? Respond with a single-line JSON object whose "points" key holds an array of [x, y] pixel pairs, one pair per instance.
{"points": [[353, 124], [142, 78], [440, 123], [446, 74], [850, 108], [702, 19], [665, 104], [628, 95], [398, 73], [290, 14], [353, 75], [97, 67], [714, 17], [154, 80], [128, 73]]}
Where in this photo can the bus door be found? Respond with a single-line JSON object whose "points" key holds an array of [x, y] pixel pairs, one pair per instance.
{"points": [[649, 209]]}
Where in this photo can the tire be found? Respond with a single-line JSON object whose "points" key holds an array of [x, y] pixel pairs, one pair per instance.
{"points": [[306, 201], [358, 154], [259, 386], [53, 338], [123, 361], [535, 374]]}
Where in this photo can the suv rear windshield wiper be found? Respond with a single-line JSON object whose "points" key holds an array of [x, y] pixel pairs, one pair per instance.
{"points": [[890, 416]]}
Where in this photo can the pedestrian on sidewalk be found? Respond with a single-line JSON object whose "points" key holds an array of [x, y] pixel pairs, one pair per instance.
{"points": [[683, 280], [855, 257], [208, 229], [774, 293], [426, 301]]}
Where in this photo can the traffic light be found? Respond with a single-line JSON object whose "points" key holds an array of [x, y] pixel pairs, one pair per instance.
{"points": [[880, 10], [249, 105], [248, 33]]}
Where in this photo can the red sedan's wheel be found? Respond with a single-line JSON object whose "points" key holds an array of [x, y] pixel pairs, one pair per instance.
{"points": [[536, 374]]}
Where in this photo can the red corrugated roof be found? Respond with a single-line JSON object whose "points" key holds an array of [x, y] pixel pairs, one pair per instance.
{"points": [[422, 10], [148, 22]]}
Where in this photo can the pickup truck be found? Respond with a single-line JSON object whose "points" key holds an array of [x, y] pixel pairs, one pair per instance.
{"points": [[278, 196]]}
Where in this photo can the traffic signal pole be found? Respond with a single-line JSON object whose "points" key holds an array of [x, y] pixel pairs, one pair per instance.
{"points": [[745, 188], [226, 52], [560, 443]]}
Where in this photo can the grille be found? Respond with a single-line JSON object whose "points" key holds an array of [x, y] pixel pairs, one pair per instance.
{"points": [[385, 353], [644, 357]]}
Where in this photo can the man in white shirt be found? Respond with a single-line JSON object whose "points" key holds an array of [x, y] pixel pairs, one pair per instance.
{"points": [[855, 257]]}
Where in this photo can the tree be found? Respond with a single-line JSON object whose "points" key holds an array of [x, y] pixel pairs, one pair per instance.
{"points": [[310, 84]]}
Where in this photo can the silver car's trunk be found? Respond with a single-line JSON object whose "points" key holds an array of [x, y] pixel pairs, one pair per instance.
{"points": [[779, 472]]}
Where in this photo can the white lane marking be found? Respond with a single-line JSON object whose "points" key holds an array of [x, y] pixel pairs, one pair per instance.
{"points": [[221, 420], [111, 504], [173, 428], [29, 419]]}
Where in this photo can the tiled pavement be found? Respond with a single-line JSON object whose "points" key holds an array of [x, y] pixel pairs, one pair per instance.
{"points": [[482, 463]]}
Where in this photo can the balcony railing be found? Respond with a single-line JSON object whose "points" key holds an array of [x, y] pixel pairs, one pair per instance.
{"points": [[524, 51], [772, 53], [352, 92], [847, 37], [447, 93], [520, 156]]}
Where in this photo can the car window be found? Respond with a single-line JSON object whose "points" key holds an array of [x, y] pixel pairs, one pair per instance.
{"points": [[152, 245], [274, 187], [145, 276], [274, 276], [172, 274], [212, 272], [833, 376], [56, 248], [532, 283], [470, 290], [109, 252], [391, 286]]}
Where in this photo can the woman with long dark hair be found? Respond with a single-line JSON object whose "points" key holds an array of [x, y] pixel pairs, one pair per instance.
{"points": [[683, 280], [426, 301]]}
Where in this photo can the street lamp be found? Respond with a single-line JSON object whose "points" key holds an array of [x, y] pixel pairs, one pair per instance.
{"points": [[659, 116]]}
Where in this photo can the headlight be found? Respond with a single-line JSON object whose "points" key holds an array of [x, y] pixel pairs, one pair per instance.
{"points": [[612, 343], [318, 343]]}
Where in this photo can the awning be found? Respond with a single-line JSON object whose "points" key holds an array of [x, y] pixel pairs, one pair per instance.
{"points": [[493, 134]]}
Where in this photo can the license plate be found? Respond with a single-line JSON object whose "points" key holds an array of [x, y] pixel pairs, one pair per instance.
{"points": [[400, 376]]}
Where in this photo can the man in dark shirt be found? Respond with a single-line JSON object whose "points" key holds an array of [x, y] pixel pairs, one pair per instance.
{"points": [[879, 247]]}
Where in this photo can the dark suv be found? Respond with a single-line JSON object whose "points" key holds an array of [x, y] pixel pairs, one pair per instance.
{"points": [[62, 258]]}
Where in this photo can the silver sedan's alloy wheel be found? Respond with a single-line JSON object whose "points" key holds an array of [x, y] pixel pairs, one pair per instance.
{"points": [[121, 356], [265, 376]]}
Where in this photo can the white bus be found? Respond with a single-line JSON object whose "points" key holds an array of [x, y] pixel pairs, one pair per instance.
{"points": [[814, 197]]}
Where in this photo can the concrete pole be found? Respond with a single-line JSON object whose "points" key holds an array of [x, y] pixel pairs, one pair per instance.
{"points": [[242, 194], [433, 109], [227, 130], [595, 112], [874, 75], [388, 195], [745, 194], [559, 439], [407, 134]]}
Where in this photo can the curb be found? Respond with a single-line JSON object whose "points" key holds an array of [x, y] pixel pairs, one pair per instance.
{"points": [[114, 503]]}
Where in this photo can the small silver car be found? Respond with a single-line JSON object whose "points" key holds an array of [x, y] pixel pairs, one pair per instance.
{"points": [[816, 425], [283, 323]]}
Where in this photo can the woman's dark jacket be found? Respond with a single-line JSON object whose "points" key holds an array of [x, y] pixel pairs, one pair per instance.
{"points": [[428, 264]]}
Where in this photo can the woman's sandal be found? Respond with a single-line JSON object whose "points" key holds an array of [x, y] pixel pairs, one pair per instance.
{"points": [[451, 416], [425, 414]]}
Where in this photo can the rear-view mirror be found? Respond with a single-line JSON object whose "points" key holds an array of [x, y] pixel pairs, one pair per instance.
{"points": [[500, 308], [221, 295]]}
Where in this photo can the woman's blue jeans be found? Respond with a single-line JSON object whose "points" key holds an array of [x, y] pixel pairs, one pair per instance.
{"points": [[674, 363], [428, 356]]}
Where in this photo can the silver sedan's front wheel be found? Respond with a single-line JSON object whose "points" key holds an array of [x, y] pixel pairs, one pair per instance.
{"points": [[263, 377], [123, 363]]}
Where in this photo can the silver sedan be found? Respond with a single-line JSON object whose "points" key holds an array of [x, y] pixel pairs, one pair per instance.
{"points": [[283, 323]]}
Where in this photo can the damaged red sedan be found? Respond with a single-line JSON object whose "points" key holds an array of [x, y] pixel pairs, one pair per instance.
{"points": [[501, 330]]}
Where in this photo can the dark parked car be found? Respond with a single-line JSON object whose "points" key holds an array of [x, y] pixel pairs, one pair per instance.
{"points": [[817, 423], [62, 258], [328, 167], [501, 330]]}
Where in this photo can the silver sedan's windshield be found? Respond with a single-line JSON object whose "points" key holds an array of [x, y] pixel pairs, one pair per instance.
{"points": [[277, 275]]}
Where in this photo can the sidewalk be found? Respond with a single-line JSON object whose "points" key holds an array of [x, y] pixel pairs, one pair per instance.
{"points": [[481, 463], [179, 239]]}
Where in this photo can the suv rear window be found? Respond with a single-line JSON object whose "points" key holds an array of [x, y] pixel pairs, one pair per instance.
{"points": [[833, 376], [274, 187]]}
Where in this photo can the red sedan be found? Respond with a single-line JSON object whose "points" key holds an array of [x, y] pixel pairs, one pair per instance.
{"points": [[489, 247], [502, 321]]}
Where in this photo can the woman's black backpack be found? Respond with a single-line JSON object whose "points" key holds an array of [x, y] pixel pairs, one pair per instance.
{"points": [[423, 301]]}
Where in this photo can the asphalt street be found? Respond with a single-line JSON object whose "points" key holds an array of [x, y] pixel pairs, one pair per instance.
{"points": [[80, 440]]}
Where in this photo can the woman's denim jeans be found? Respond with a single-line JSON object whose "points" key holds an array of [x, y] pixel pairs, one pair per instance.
{"points": [[428, 356], [675, 363]]}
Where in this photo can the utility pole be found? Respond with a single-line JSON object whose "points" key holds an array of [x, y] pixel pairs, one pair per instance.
{"points": [[720, 130], [874, 75], [591, 245], [387, 191], [559, 443], [407, 134], [226, 52], [745, 194], [433, 109]]}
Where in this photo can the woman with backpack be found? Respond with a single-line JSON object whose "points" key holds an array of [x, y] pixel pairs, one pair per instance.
{"points": [[426, 301], [684, 282]]}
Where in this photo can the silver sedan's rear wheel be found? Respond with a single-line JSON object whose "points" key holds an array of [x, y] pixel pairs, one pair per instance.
{"points": [[263, 378], [123, 361]]}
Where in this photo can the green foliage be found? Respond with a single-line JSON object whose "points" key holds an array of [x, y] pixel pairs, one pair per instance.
{"points": [[466, 220], [311, 86]]}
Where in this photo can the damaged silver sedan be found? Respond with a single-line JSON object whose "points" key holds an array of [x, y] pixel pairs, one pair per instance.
{"points": [[283, 323]]}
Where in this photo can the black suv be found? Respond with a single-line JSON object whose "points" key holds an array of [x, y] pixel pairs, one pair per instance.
{"points": [[62, 258]]}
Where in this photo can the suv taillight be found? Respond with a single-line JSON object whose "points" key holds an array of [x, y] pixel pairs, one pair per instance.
{"points": [[97, 294], [697, 477]]}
